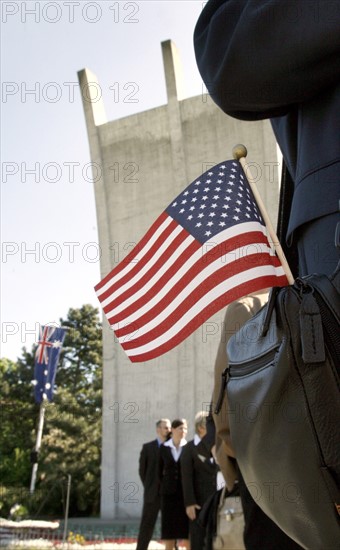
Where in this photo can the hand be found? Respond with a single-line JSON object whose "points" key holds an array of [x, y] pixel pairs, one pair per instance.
{"points": [[191, 511]]}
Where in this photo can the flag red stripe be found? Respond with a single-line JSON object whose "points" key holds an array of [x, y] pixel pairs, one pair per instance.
{"points": [[200, 265], [156, 267], [226, 298], [142, 261], [133, 252], [220, 275], [167, 275]]}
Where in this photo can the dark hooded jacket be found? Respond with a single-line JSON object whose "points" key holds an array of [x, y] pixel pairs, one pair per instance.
{"points": [[280, 59]]}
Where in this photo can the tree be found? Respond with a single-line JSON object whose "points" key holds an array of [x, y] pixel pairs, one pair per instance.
{"points": [[72, 429]]}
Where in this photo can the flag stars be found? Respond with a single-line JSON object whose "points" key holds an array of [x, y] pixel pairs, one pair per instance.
{"points": [[57, 344], [224, 193]]}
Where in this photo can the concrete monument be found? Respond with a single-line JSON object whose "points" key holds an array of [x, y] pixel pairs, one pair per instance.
{"points": [[145, 160]]}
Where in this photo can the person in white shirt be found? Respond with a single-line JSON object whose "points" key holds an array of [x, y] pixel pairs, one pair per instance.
{"points": [[175, 523]]}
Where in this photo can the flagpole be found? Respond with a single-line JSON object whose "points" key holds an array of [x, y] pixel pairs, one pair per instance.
{"points": [[239, 153], [38, 445], [44, 343]]}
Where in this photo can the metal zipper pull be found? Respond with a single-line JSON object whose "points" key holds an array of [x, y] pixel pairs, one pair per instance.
{"points": [[224, 382]]}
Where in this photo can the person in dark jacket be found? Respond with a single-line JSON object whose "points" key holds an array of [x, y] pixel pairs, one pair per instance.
{"points": [[280, 60], [175, 523], [148, 472], [199, 479]]}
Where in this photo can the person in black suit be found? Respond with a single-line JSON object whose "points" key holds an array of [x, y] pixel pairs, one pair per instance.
{"points": [[199, 476], [175, 523], [148, 472]]}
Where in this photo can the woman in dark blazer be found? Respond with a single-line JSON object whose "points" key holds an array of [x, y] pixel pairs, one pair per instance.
{"points": [[175, 524]]}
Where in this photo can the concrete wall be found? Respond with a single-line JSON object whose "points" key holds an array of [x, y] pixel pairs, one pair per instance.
{"points": [[146, 160]]}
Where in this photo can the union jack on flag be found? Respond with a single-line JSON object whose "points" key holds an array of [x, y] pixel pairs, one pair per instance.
{"points": [[207, 249], [46, 359]]}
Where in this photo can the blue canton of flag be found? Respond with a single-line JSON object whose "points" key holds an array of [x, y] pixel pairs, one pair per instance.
{"points": [[220, 199], [46, 359]]}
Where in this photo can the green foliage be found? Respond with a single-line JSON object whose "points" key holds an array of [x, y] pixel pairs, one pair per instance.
{"points": [[72, 429]]}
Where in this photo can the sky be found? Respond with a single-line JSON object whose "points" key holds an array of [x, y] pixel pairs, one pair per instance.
{"points": [[49, 242]]}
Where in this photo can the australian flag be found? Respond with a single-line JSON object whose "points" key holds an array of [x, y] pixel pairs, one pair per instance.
{"points": [[46, 359]]}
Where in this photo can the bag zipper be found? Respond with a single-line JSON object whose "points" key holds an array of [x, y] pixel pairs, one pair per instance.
{"points": [[237, 370]]}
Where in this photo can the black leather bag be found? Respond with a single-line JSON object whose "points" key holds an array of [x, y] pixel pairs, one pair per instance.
{"points": [[283, 385]]}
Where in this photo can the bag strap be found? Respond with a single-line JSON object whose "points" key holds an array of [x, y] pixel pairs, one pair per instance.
{"points": [[328, 290]]}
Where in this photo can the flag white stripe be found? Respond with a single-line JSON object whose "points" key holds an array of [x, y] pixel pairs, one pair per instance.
{"points": [[194, 283], [149, 264], [215, 293], [151, 282], [139, 254], [205, 249]]}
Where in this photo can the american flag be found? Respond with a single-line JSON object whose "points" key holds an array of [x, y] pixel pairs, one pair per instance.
{"points": [[207, 249], [46, 359]]}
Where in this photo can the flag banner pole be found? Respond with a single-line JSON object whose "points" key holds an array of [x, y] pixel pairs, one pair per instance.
{"points": [[67, 506], [38, 445], [239, 153], [47, 354]]}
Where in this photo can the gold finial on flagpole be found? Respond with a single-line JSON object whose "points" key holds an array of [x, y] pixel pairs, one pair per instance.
{"points": [[239, 153]]}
